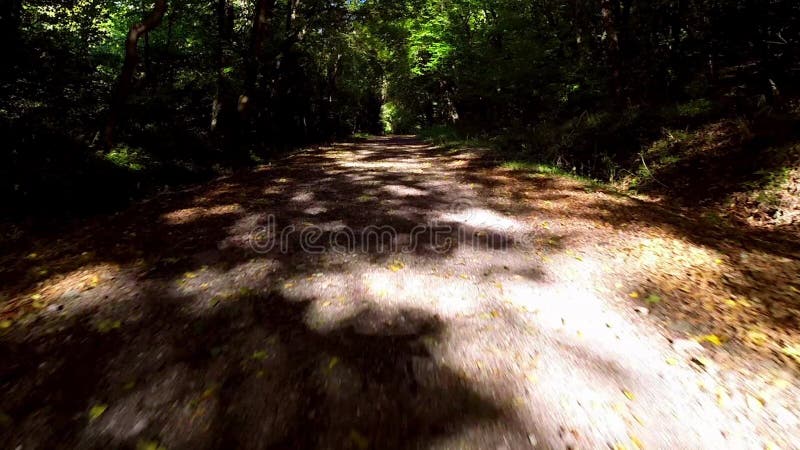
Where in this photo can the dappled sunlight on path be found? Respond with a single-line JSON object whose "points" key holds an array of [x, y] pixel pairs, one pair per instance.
{"points": [[375, 294]]}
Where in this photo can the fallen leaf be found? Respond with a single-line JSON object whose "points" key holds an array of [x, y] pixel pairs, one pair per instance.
{"points": [[396, 266], [149, 445], [757, 337], [210, 391], [672, 361], [792, 350], [5, 420], [333, 362], [780, 383], [96, 411], [628, 394], [712, 338], [359, 440], [634, 294], [4, 324], [105, 325], [722, 397], [653, 298]]}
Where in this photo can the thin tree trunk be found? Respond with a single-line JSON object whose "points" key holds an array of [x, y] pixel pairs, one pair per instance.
{"points": [[612, 48], [261, 16], [679, 63], [125, 81], [220, 112]]}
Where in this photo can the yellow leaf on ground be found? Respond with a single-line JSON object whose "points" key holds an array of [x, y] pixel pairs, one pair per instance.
{"points": [[96, 411], [637, 442], [792, 350], [396, 265], [149, 445], [722, 397], [628, 394], [780, 383], [210, 391], [105, 325], [36, 297], [634, 294], [672, 361], [757, 337], [712, 338], [333, 362]]}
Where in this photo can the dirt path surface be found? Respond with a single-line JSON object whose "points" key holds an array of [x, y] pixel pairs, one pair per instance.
{"points": [[418, 298]]}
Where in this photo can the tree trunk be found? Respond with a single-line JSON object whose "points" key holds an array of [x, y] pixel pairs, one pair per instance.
{"points": [[679, 62], [10, 13], [222, 100], [612, 48], [263, 12], [125, 81]]}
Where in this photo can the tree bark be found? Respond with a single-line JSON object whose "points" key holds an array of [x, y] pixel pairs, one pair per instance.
{"points": [[612, 48], [220, 109], [125, 81], [10, 13], [679, 62], [261, 16]]}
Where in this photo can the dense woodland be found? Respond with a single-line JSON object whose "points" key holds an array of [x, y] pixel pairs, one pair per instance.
{"points": [[102, 101], [399, 224]]}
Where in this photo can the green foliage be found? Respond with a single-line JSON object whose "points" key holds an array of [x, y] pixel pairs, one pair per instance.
{"points": [[695, 108], [129, 158], [396, 119], [541, 81]]}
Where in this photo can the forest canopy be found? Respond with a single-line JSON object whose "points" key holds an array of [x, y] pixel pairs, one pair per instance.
{"points": [[127, 94]]}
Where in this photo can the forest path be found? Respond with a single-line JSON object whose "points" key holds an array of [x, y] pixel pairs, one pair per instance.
{"points": [[382, 294]]}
